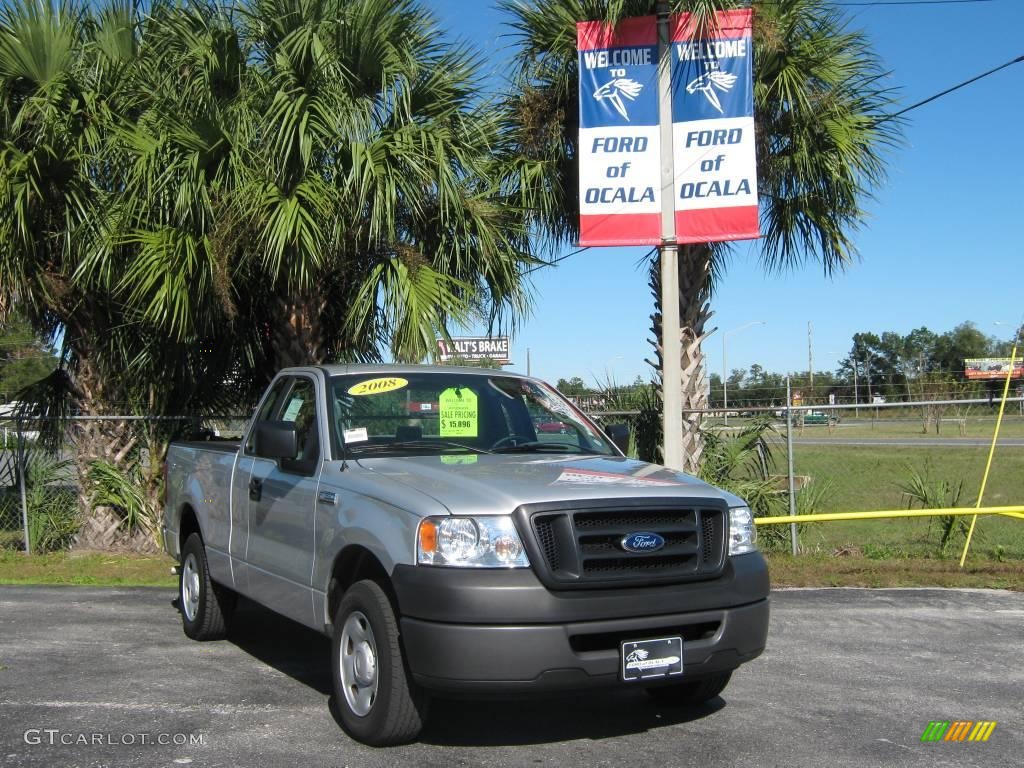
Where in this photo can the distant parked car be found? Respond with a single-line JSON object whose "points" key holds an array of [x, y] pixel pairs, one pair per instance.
{"points": [[820, 417], [559, 427]]}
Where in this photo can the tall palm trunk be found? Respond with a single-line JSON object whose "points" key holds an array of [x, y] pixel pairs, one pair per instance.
{"points": [[694, 313], [298, 336], [114, 441]]}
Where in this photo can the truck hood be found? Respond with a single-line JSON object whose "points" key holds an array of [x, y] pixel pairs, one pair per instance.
{"points": [[487, 484]]}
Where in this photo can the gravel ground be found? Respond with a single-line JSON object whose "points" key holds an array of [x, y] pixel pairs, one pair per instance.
{"points": [[851, 677]]}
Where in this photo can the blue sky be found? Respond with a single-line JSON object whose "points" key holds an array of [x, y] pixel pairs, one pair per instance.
{"points": [[943, 243]]}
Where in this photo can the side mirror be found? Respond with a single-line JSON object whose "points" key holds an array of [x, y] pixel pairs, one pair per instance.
{"points": [[276, 440], [619, 434]]}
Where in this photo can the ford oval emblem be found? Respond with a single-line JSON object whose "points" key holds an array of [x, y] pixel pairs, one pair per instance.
{"points": [[642, 542]]}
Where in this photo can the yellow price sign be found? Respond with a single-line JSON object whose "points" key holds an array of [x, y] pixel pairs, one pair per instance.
{"points": [[459, 412], [377, 386]]}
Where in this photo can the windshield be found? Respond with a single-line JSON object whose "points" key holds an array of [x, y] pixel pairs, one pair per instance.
{"points": [[440, 413]]}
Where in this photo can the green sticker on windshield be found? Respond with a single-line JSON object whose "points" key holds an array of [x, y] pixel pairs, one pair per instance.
{"points": [[459, 414]]}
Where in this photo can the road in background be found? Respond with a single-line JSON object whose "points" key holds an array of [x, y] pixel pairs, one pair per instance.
{"points": [[915, 442]]}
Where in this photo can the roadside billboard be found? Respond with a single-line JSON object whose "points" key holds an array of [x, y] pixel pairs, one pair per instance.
{"points": [[475, 348], [980, 368]]}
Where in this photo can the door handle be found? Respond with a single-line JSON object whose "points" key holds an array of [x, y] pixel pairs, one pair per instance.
{"points": [[255, 489]]}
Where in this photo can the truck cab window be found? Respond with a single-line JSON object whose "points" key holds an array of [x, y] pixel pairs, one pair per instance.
{"points": [[300, 408], [267, 411]]}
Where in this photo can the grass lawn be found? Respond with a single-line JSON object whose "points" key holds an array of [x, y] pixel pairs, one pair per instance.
{"points": [[1012, 426], [858, 553], [90, 568], [812, 570], [906, 426], [826, 571], [868, 478]]}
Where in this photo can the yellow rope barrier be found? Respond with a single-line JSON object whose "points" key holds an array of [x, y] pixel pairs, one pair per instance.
{"points": [[991, 450], [824, 517]]}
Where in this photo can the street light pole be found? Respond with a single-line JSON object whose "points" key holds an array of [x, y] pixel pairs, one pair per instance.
{"points": [[856, 399], [725, 381], [810, 362], [725, 367]]}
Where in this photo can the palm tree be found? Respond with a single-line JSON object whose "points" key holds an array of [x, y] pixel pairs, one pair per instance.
{"points": [[194, 196], [316, 176], [819, 106], [64, 71]]}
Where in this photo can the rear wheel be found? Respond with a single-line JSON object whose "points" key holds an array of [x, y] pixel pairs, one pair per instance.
{"points": [[691, 693], [378, 702], [205, 606]]}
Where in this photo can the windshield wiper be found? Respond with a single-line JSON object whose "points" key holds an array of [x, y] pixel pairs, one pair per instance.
{"points": [[438, 444], [537, 445]]}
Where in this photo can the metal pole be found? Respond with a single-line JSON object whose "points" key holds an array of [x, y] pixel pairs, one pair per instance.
{"points": [[867, 372], [725, 381], [671, 333], [810, 365], [21, 483], [856, 397], [789, 462]]}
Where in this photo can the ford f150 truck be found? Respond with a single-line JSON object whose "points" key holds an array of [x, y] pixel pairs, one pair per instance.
{"points": [[418, 517]]}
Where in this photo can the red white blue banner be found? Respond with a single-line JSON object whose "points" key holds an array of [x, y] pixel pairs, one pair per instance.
{"points": [[619, 147], [713, 129], [619, 140]]}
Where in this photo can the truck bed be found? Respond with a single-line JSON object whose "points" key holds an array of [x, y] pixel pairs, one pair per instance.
{"points": [[225, 446]]}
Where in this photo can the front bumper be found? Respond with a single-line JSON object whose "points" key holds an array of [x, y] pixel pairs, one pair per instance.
{"points": [[170, 542], [503, 632]]}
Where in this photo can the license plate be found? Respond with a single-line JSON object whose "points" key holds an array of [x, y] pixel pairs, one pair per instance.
{"points": [[651, 659]]}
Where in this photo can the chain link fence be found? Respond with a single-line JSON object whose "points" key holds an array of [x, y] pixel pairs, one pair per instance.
{"points": [[841, 453], [42, 475], [826, 458]]}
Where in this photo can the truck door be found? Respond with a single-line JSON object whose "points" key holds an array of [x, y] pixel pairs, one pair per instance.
{"points": [[281, 505], [239, 539]]}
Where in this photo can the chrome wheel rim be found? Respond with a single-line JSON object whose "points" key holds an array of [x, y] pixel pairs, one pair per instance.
{"points": [[190, 587], [358, 664]]}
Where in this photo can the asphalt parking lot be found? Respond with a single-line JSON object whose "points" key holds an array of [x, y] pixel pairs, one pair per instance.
{"points": [[850, 678]]}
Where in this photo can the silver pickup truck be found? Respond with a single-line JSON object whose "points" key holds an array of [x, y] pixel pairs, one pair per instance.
{"points": [[463, 531]]}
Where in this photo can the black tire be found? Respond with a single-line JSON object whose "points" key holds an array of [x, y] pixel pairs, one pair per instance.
{"points": [[692, 693], [205, 605], [389, 708]]}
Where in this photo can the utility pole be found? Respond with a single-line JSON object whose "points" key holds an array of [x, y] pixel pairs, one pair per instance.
{"points": [[867, 373], [810, 363], [725, 379], [725, 366], [856, 399], [789, 466], [528, 361], [671, 332]]}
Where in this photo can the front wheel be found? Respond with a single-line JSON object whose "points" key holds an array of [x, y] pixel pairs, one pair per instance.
{"points": [[378, 702], [692, 693], [205, 606]]}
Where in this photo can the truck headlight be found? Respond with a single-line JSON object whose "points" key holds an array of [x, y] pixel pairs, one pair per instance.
{"points": [[742, 532], [470, 542]]}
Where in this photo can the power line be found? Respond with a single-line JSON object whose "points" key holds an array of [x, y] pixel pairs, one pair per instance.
{"points": [[551, 263], [956, 87], [868, 3], [912, 2]]}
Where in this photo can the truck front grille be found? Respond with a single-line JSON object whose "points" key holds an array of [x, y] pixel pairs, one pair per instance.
{"points": [[583, 548]]}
